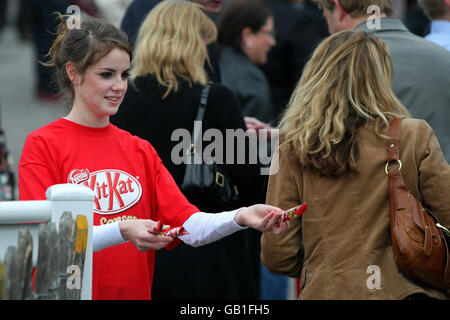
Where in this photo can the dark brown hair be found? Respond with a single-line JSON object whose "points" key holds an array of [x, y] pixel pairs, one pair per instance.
{"points": [[357, 8], [83, 45], [237, 15]]}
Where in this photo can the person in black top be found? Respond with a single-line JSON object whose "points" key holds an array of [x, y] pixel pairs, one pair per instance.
{"points": [[167, 80]]}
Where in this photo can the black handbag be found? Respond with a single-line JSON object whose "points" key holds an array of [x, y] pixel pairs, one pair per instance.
{"points": [[207, 185]]}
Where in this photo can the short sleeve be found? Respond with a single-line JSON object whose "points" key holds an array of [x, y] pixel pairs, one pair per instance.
{"points": [[172, 207], [37, 171]]}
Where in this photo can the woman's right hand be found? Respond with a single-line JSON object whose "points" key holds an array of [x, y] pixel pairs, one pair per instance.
{"points": [[141, 233], [262, 217]]}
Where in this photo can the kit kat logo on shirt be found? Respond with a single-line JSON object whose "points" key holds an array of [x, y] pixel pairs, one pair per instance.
{"points": [[115, 190], [78, 176]]}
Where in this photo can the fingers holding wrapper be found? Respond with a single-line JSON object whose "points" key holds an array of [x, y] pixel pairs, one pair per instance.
{"points": [[170, 232], [173, 232], [157, 227]]}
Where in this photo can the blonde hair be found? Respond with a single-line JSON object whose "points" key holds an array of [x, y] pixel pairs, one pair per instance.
{"points": [[346, 84], [171, 44]]}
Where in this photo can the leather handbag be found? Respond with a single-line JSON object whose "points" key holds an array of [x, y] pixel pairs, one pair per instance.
{"points": [[207, 184], [419, 241]]}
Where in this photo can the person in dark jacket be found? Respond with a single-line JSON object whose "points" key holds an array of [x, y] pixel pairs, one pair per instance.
{"points": [[167, 82], [246, 35]]}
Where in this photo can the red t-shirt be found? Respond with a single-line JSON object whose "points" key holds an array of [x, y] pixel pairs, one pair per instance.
{"points": [[129, 182]]}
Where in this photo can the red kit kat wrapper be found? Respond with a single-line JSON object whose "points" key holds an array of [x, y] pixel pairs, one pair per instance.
{"points": [[293, 212], [173, 232]]}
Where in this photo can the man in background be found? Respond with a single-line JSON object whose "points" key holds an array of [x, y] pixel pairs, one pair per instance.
{"points": [[421, 68], [439, 13]]}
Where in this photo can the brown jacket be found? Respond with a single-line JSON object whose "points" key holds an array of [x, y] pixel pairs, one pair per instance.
{"points": [[345, 230]]}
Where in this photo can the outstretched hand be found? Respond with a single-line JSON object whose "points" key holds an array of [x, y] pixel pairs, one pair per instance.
{"points": [[141, 233], [263, 218]]}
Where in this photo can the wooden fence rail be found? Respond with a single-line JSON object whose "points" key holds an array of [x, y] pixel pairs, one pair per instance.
{"points": [[56, 243], [60, 262]]}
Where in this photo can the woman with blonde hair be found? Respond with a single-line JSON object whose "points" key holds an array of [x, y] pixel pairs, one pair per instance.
{"points": [[171, 45], [332, 156], [168, 77]]}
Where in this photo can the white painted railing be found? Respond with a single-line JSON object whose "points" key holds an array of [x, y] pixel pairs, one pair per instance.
{"points": [[60, 198]]}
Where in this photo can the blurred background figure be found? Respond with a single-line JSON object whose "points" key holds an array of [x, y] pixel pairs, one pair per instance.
{"points": [[112, 10], [300, 26], [415, 19], [134, 15], [246, 35], [7, 176], [21, 19], [3, 8], [439, 13], [286, 14], [44, 29]]}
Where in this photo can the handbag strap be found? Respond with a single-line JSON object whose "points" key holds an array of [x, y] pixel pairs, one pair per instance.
{"points": [[393, 145], [200, 115], [393, 148], [203, 103]]}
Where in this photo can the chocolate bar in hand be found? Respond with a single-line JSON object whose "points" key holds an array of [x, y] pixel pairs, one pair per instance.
{"points": [[173, 232], [293, 212], [170, 232]]}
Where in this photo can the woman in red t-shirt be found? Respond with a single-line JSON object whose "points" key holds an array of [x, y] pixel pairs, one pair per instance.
{"points": [[132, 188]]}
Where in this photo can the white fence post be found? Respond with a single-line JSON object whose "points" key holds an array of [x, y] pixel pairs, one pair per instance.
{"points": [[77, 199]]}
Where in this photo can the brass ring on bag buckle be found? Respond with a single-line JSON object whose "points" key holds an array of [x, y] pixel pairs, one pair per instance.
{"points": [[220, 179], [387, 164]]}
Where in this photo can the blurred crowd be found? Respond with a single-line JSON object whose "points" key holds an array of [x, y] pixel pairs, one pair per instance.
{"points": [[298, 27]]}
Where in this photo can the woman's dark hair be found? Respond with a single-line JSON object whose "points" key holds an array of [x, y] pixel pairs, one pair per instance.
{"points": [[84, 44], [237, 15]]}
